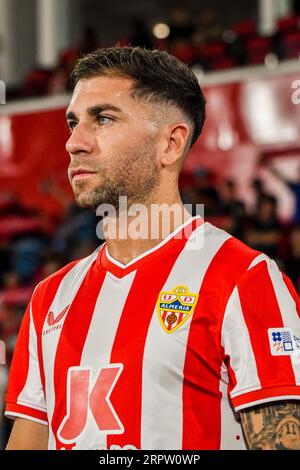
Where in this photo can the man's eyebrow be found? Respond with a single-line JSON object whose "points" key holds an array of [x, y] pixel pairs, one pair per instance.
{"points": [[70, 116], [99, 108], [94, 111]]}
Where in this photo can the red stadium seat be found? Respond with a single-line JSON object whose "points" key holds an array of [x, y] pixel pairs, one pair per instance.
{"points": [[185, 53], [222, 63], [214, 55], [36, 83], [257, 49], [288, 24], [213, 50], [291, 45], [245, 29]]}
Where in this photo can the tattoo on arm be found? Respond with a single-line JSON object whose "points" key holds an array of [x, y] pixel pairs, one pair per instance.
{"points": [[275, 426]]}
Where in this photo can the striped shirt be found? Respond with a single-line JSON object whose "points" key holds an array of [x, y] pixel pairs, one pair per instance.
{"points": [[161, 353]]}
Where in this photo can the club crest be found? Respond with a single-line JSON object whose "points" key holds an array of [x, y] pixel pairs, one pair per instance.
{"points": [[175, 307]]}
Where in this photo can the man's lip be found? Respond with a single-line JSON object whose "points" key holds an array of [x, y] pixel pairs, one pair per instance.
{"points": [[81, 171]]}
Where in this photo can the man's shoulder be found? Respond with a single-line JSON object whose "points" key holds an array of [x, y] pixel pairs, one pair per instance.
{"points": [[57, 276], [229, 243], [61, 282], [51, 283], [232, 252]]}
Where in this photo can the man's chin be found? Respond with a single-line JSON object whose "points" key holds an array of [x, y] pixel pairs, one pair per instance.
{"points": [[86, 202]]}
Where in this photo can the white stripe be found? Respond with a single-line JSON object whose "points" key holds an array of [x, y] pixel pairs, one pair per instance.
{"points": [[258, 259], [99, 343], [64, 296], [13, 415], [288, 310], [236, 342], [164, 354], [33, 393], [231, 430]]}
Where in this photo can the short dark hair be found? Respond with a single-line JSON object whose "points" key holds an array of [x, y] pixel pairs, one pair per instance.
{"points": [[157, 76]]}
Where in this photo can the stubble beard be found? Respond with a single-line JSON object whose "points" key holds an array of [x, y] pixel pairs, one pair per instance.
{"points": [[135, 175]]}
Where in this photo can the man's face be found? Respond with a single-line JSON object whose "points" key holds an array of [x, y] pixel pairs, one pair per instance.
{"points": [[112, 144]]}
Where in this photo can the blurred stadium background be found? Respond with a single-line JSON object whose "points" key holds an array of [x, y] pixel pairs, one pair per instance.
{"points": [[245, 167]]}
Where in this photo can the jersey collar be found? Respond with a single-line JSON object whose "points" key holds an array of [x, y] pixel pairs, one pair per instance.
{"points": [[179, 236]]}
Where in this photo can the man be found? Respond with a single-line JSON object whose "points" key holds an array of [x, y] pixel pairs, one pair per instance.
{"points": [[164, 341]]}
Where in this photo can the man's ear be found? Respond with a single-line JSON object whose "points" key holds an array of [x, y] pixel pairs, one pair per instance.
{"points": [[176, 138]]}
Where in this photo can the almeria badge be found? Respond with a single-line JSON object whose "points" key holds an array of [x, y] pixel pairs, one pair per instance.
{"points": [[175, 307]]}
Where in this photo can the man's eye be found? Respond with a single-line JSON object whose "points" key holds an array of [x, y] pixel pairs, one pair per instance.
{"points": [[71, 125], [104, 119]]}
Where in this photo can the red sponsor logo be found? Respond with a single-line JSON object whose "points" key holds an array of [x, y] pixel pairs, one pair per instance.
{"points": [[83, 395], [53, 321]]}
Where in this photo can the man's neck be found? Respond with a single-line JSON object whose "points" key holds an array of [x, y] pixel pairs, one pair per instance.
{"points": [[129, 236]]}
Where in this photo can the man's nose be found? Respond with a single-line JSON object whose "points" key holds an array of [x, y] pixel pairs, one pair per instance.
{"points": [[80, 141]]}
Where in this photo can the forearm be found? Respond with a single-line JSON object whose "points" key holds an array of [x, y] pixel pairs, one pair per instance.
{"points": [[275, 426], [28, 435]]}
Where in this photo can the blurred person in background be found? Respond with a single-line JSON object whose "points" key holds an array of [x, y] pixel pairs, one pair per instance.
{"points": [[294, 187], [179, 41], [259, 192], [181, 25], [264, 229], [76, 230], [58, 81], [234, 208], [207, 26], [205, 192], [140, 35], [232, 204], [89, 41], [293, 260]]}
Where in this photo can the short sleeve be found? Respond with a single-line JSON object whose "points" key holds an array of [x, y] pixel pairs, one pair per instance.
{"points": [[261, 337], [25, 394]]}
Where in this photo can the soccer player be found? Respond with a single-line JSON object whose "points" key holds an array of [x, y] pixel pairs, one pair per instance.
{"points": [[182, 339]]}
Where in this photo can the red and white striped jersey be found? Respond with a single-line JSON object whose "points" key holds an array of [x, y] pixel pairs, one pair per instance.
{"points": [[161, 353]]}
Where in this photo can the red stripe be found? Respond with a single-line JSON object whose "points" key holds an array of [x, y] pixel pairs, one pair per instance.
{"points": [[72, 340], [261, 312], [204, 356], [26, 410], [41, 303], [258, 395], [129, 344]]}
